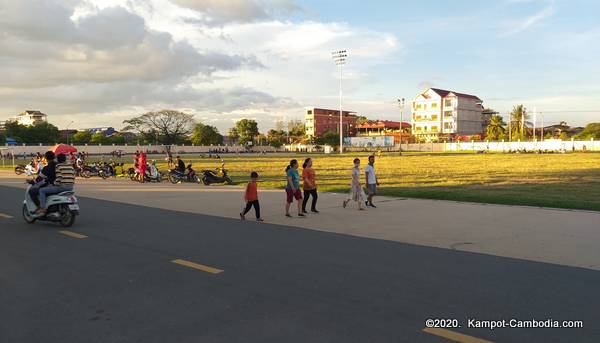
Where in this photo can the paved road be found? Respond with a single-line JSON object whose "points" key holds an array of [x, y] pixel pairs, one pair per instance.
{"points": [[279, 284]]}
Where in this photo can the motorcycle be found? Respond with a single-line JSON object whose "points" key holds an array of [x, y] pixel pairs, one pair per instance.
{"points": [[152, 174], [62, 208], [28, 169], [175, 176], [218, 175], [94, 169]]}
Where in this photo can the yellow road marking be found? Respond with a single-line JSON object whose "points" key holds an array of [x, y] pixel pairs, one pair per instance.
{"points": [[73, 234], [5, 216], [198, 266], [455, 336]]}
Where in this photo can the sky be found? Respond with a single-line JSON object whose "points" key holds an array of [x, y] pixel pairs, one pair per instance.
{"points": [[90, 63]]}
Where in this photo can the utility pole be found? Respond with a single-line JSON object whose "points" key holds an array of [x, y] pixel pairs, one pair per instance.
{"points": [[339, 57], [401, 105]]}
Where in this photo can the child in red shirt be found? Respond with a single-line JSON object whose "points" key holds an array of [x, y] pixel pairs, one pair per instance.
{"points": [[251, 198]]}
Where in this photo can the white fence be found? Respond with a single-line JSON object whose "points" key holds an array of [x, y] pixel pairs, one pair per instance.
{"points": [[547, 145], [130, 149]]}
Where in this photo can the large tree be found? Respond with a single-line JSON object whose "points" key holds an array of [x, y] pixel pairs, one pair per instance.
{"points": [[592, 130], [82, 137], [276, 138], [247, 129], [2, 139], [329, 138], [496, 128], [166, 127], [39, 133], [206, 135]]}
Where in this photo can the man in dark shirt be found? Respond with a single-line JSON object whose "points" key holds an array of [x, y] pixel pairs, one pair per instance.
{"points": [[180, 165], [46, 177]]}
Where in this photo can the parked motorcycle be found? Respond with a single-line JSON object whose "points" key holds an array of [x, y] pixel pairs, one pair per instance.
{"points": [[93, 169], [175, 176], [218, 175], [62, 208], [152, 174], [28, 169]]}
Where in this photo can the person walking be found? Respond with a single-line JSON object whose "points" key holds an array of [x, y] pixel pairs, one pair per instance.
{"points": [[372, 181], [251, 198], [356, 191], [292, 190], [309, 185]]}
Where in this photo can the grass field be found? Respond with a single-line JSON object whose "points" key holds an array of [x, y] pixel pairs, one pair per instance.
{"points": [[551, 180]]}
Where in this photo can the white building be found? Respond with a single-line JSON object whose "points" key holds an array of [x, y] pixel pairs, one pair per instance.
{"points": [[29, 118], [439, 114]]}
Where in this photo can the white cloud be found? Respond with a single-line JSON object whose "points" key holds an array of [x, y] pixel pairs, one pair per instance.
{"points": [[530, 21], [219, 12]]}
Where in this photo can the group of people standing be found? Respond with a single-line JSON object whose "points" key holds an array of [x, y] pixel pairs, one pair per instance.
{"points": [[309, 186]]}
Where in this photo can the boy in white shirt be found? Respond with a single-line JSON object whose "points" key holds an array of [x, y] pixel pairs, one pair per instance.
{"points": [[372, 182]]}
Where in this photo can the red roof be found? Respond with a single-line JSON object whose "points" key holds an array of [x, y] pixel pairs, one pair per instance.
{"points": [[443, 93]]}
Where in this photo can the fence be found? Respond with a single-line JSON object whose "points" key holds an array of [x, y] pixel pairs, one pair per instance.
{"points": [[19, 150]]}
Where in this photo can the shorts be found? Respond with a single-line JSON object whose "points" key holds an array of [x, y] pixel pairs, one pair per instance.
{"points": [[291, 195], [372, 189]]}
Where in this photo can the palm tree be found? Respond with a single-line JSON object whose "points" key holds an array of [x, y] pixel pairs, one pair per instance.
{"points": [[519, 122], [495, 129]]}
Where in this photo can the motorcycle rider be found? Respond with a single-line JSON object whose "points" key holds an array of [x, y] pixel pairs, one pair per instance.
{"points": [[64, 181], [45, 177], [180, 165]]}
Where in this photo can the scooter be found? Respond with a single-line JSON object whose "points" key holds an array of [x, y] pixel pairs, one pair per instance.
{"points": [[28, 169], [151, 174], [216, 176], [62, 208]]}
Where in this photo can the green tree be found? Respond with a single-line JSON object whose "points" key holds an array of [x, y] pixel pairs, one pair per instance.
{"points": [[206, 135], [116, 139], [519, 122], [166, 127], [592, 130], [233, 134], [329, 138], [247, 130], [16, 131], [276, 138], [98, 138], [82, 137], [296, 130], [496, 128], [2, 139]]}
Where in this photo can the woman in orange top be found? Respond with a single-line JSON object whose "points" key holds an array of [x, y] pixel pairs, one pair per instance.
{"points": [[251, 197], [310, 185]]}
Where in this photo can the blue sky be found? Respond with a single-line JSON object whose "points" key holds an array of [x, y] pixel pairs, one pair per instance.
{"points": [[506, 52], [105, 61]]}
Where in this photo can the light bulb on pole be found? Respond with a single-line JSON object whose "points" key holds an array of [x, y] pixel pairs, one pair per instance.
{"points": [[339, 57]]}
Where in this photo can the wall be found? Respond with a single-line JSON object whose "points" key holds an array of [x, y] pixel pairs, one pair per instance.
{"points": [[129, 149]]}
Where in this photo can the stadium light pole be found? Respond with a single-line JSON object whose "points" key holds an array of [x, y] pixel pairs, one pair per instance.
{"points": [[72, 121], [401, 105], [339, 57]]}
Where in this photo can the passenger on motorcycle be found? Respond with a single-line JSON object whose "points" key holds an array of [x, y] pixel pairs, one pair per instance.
{"points": [[64, 181], [45, 177]]}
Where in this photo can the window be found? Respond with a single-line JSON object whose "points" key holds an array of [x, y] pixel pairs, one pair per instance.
{"points": [[419, 106], [309, 111], [425, 107], [448, 126], [434, 105], [447, 113], [434, 117], [434, 129], [448, 103]]}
